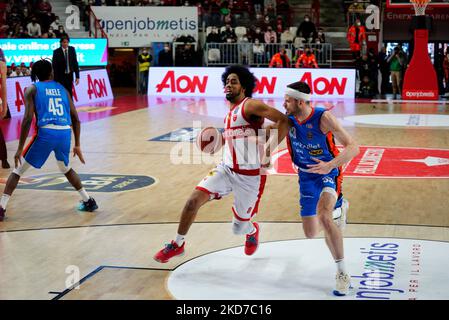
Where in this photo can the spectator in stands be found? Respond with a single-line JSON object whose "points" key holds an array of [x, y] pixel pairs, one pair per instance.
{"points": [[396, 65], [258, 52], [165, 57], [306, 29], [283, 9], [34, 28], [61, 32], [259, 23], [187, 56], [307, 59], [258, 6], [22, 33], [51, 33], [213, 36], [356, 37], [267, 22], [24, 70], [228, 32], [271, 41], [320, 37], [363, 66], [355, 11], [144, 59], [280, 60], [16, 72], [55, 24], [384, 67], [44, 12], [270, 11], [215, 12], [258, 35], [270, 36], [287, 37], [367, 88]]}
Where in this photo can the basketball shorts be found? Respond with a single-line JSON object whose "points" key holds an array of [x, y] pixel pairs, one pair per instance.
{"points": [[46, 141], [247, 190], [310, 187]]}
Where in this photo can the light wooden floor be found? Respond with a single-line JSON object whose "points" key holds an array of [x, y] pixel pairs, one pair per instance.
{"points": [[44, 233]]}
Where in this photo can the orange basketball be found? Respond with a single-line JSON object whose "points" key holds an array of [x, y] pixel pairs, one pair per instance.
{"points": [[209, 140]]}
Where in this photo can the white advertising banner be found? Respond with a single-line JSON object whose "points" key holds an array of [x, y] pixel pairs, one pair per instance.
{"points": [[94, 86], [139, 26], [271, 82]]}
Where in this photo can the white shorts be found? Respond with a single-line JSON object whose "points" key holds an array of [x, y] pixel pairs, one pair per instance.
{"points": [[247, 189]]}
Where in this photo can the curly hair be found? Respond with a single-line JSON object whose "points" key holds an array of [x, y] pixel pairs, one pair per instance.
{"points": [[41, 70], [246, 78]]}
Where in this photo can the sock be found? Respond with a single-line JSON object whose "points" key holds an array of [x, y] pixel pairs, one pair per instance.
{"points": [[4, 200], [253, 229], [83, 194], [340, 266], [179, 239]]}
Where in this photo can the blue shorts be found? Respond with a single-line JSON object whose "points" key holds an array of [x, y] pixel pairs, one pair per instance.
{"points": [[46, 141], [310, 187]]}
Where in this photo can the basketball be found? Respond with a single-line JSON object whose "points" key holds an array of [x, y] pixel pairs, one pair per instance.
{"points": [[209, 140]]}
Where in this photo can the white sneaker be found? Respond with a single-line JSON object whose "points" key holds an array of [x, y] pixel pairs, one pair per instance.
{"points": [[340, 214], [343, 284]]}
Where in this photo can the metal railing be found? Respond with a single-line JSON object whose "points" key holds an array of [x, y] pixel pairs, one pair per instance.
{"points": [[222, 54]]}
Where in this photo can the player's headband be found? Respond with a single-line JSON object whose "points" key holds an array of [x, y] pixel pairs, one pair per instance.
{"points": [[297, 94]]}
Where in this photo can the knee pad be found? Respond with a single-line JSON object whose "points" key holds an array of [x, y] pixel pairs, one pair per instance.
{"points": [[62, 167], [241, 227], [20, 170], [331, 191]]}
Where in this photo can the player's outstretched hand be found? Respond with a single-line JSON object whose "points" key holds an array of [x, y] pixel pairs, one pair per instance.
{"points": [[17, 159], [77, 152], [321, 167]]}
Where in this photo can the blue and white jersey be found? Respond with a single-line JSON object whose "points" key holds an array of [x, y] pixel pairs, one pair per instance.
{"points": [[52, 104], [306, 141]]}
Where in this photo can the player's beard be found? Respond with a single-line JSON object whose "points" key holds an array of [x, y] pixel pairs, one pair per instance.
{"points": [[231, 96]]}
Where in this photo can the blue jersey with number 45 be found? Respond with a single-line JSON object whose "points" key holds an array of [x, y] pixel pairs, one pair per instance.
{"points": [[52, 104]]}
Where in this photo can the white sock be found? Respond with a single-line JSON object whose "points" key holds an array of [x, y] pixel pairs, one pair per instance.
{"points": [[179, 239], [340, 266], [4, 200], [253, 229], [83, 194]]}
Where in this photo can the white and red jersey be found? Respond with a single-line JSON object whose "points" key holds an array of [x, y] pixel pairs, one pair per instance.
{"points": [[241, 150]]}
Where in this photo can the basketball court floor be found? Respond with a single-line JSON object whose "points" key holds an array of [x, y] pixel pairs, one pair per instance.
{"points": [[397, 237]]}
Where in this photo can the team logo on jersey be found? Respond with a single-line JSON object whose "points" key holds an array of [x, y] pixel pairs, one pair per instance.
{"points": [[293, 132], [316, 152], [309, 126], [309, 135], [91, 182]]}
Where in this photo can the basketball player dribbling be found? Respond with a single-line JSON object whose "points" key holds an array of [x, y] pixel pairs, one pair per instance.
{"points": [[311, 144], [55, 117], [240, 169]]}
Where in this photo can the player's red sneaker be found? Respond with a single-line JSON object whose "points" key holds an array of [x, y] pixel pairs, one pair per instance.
{"points": [[252, 241], [169, 251]]}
